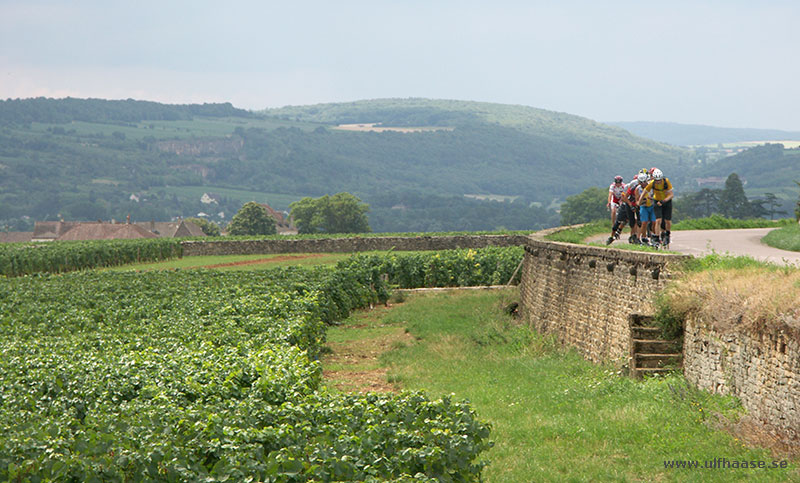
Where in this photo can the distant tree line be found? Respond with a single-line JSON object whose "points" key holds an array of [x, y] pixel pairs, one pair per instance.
{"points": [[420, 212], [46, 110], [730, 202]]}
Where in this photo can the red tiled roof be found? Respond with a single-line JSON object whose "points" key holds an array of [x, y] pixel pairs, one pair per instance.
{"points": [[171, 229], [50, 230], [106, 231], [276, 215], [15, 236]]}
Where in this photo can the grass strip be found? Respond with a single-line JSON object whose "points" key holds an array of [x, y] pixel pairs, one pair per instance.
{"points": [[718, 222], [555, 416], [785, 238], [246, 262], [581, 233]]}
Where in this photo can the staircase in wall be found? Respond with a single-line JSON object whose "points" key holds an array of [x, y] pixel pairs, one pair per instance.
{"points": [[650, 353]]}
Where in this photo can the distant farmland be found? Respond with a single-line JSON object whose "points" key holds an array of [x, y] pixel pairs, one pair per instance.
{"points": [[786, 144], [376, 128]]}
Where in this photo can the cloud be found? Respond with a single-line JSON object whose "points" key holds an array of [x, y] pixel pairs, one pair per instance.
{"points": [[682, 61]]}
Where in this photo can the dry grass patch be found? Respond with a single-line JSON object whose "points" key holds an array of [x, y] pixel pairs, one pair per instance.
{"points": [[278, 259], [354, 365], [375, 380], [752, 300]]}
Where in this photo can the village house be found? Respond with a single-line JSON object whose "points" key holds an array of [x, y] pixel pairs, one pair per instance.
{"points": [[15, 236], [106, 231], [45, 231], [283, 222], [172, 229]]}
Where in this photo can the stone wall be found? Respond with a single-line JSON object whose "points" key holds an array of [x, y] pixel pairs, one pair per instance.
{"points": [[585, 294], [348, 244], [761, 369]]}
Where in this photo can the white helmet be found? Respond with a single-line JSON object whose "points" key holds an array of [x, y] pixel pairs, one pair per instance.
{"points": [[642, 177], [657, 174]]}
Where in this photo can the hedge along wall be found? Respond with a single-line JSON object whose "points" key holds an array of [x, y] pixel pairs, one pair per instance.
{"points": [[762, 369], [584, 294], [348, 245]]}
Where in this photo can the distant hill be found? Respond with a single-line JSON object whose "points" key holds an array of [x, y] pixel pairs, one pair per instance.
{"points": [[434, 112], [493, 148], [763, 168], [698, 135], [92, 158], [44, 110]]}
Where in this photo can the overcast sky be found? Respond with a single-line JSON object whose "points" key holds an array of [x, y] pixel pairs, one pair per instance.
{"points": [[724, 63]]}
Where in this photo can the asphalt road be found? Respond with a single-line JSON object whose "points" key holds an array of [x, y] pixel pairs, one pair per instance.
{"points": [[734, 242]]}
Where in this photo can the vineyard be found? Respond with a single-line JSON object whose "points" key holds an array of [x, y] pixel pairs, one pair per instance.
{"points": [[65, 256], [212, 376]]}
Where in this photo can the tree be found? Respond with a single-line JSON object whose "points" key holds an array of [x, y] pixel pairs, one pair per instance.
{"points": [[757, 209], [797, 207], [733, 202], [208, 227], [772, 203], [699, 204], [586, 206], [340, 213], [252, 219], [707, 200], [305, 216]]}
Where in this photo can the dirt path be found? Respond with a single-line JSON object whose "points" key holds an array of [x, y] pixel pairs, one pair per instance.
{"points": [[735, 242], [265, 260], [353, 364]]}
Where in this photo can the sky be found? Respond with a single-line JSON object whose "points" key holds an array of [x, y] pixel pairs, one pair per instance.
{"points": [[730, 63]]}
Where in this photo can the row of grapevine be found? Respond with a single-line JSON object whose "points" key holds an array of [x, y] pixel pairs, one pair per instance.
{"points": [[206, 376], [446, 268], [57, 257]]}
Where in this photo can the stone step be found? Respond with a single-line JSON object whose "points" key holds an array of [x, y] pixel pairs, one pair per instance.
{"points": [[649, 333], [649, 371], [656, 346], [651, 361]]}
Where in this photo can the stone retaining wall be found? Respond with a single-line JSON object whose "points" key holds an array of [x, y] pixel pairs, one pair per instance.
{"points": [[584, 294], [348, 244], [762, 370]]}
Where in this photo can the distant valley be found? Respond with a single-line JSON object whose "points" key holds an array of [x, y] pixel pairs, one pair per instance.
{"points": [[698, 135], [412, 160]]}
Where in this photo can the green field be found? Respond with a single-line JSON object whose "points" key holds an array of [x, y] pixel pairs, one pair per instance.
{"points": [[554, 416], [788, 144], [785, 238], [244, 262]]}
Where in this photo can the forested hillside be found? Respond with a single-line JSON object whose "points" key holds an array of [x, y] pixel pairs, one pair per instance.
{"points": [[763, 169], [16, 111], [90, 159]]}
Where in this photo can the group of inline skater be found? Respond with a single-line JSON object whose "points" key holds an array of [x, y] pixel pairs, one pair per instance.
{"points": [[645, 203]]}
